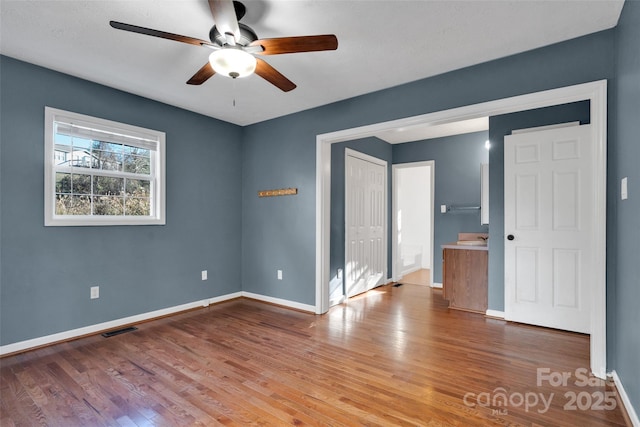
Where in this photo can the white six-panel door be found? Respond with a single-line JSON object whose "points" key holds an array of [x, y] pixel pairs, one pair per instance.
{"points": [[365, 218], [548, 222]]}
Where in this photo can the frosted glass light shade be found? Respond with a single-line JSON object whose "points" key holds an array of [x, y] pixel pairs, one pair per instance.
{"points": [[232, 62]]}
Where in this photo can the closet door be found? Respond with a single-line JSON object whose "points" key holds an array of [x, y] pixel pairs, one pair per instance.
{"points": [[365, 217]]}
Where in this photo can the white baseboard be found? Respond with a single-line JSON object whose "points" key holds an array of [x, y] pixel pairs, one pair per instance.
{"points": [[633, 416], [278, 301], [410, 270], [436, 285], [495, 313], [101, 327], [223, 298], [336, 301]]}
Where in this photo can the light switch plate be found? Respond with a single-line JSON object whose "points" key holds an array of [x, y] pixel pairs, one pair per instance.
{"points": [[624, 195]]}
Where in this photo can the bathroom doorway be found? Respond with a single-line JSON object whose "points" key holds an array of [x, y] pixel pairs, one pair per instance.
{"points": [[413, 199]]}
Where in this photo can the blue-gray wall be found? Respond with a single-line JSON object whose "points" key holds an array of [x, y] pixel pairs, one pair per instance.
{"points": [[374, 147], [154, 267], [46, 272], [499, 126], [624, 155], [457, 183], [276, 231], [281, 152]]}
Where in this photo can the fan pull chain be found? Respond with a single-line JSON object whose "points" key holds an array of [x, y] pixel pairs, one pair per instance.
{"points": [[234, 93]]}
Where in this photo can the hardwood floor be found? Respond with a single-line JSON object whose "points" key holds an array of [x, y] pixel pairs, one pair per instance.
{"points": [[418, 277], [393, 356]]}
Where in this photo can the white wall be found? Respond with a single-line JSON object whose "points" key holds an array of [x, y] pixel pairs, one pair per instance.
{"points": [[413, 186]]}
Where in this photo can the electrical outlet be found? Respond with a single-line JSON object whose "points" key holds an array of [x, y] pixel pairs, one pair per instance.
{"points": [[624, 191], [279, 274], [339, 275], [204, 274], [443, 208], [95, 292]]}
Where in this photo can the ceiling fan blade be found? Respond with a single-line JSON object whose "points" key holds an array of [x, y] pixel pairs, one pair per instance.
{"points": [[157, 33], [282, 45], [224, 16], [273, 76], [202, 75]]}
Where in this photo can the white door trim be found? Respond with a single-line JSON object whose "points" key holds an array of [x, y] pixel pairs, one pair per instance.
{"points": [[396, 275], [596, 92]]}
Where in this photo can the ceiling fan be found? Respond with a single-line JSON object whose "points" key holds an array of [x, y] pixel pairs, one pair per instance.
{"points": [[234, 45]]}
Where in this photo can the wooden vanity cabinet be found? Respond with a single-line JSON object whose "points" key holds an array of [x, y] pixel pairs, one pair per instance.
{"points": [[465, 279]]}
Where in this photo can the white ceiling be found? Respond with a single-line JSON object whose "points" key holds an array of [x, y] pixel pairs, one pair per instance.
{"points": [[420, 132], [381, 44]]}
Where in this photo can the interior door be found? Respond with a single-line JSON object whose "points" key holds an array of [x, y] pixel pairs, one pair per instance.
{"points": [[548, 219], [365, 218]]}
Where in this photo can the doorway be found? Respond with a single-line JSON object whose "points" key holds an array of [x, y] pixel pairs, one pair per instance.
{"points": [[413, 199], [595, 92]]}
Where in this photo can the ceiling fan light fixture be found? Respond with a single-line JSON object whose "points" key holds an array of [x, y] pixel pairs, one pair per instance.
{"points": [[232, 62]]}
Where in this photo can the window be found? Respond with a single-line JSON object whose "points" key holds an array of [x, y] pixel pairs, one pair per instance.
{"points": [[99, 172]]}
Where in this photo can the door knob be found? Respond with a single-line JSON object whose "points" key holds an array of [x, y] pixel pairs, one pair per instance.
{"points": [[510, 237]]}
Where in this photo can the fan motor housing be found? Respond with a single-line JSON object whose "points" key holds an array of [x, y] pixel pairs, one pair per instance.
{"points": [[247, 35]]}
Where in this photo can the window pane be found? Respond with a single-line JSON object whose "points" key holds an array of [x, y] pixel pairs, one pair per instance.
{"points": [[62, 150], [108, 205], [63, 204], [107, 146], [139, 206], [138, 188], [80, 183], [108, 155], [82, 144], [63, 182], [73, 205], [61, 139], [137, 164], [70, 151], [108, 186], [136, 151], [108, 160], [80, 158]]}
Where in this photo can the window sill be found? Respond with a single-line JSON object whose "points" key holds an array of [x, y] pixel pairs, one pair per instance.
{"points": [[93, 221]]}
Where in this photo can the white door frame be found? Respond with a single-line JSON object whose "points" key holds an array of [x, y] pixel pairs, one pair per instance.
{"points": [[348, 152], [595, 92], [396, 274]]}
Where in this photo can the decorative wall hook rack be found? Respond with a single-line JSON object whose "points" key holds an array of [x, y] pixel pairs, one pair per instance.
{"points": [[279, 192]]}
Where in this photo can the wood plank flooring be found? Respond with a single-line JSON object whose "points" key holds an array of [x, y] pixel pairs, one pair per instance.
{"points": [[396, 356], [418, 277]]}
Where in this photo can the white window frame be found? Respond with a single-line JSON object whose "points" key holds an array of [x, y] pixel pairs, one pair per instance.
{"points": [[158, 204]]}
